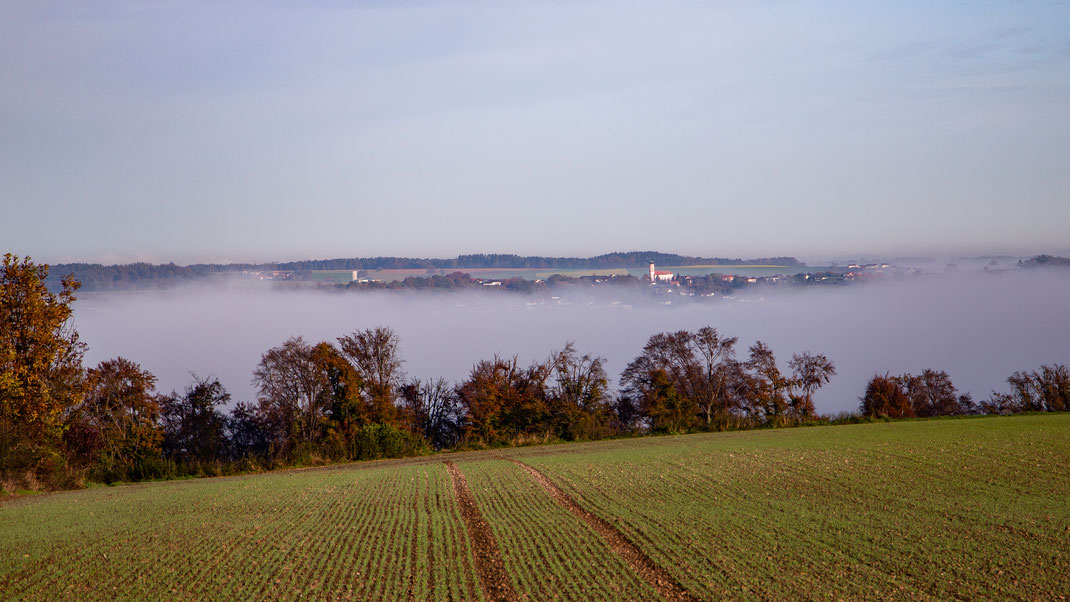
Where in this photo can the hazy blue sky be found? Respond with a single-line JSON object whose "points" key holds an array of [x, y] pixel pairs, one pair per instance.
{"points": [[194, 131]]}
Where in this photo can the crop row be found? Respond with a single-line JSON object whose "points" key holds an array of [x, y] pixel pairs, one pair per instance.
{"points": [[369, 533]]}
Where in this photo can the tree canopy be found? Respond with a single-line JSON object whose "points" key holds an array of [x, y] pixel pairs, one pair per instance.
{"points": [[40, 368]]}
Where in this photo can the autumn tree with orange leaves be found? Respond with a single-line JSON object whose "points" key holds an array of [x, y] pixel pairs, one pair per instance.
{"points": [[41, 375]]}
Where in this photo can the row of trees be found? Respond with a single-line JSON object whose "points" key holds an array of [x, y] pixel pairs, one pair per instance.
{"points": [[692, 380], [907, 396], [932, 393], [318, 399]]}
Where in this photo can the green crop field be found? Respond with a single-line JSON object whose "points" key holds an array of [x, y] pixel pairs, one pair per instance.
{"points": [[964, 508], [335, 276], [544, 547]]}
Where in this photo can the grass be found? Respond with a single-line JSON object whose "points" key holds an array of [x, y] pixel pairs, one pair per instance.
{"points": [[938, 509]]}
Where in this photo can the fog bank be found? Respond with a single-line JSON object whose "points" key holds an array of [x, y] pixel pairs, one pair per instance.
{"points": [[978, 327]]}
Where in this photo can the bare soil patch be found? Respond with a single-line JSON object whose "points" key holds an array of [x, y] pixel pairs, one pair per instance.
{"points": [[489, 563]]}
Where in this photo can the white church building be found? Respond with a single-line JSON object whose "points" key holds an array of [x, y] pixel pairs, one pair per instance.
{"points": [[659, 275]]}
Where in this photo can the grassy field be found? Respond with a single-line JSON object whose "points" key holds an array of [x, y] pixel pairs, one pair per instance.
{"points": [[335, 276], [966, 508]]}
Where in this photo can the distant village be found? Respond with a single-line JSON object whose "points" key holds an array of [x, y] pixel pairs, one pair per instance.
{"points": [[654, 276], [666, 286], [640, 272]]}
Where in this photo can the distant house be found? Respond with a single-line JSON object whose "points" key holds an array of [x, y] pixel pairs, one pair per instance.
{"points": [[273, 275]]}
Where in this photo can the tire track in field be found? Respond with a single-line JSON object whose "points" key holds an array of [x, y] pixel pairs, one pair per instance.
{"points": [[650, 572], [414, 541], [430, 537], [488, 557]]}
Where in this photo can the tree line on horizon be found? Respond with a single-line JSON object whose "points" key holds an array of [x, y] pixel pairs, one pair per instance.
{"points": [[350, 399]]}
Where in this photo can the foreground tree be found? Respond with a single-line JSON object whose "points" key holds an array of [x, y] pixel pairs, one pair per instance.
{"points": [[342, 401], [578, 391], [1043, 390], [115, 429], [661, 385], [248, 434], [293, 392], [884, 397], [433, 410], [501, 400], [375, 355], [668, 410], [809, 373], [769, 387], [194, 428], [1000, 404], [40, 371], [723, 383], [931, 393], [1054, 384]]}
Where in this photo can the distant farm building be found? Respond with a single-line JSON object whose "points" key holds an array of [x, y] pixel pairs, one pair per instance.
{"points": [[268, 275]]}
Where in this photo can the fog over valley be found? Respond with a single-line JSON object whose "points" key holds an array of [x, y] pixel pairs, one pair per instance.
{"points": [[978, 327]]}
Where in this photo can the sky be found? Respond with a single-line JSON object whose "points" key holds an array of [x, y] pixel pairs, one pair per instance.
{"points": [[257, 131]]}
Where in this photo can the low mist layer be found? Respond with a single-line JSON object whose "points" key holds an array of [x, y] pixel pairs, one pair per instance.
{"points": [[978, 327]]}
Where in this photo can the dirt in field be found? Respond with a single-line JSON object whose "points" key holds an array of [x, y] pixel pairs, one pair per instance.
{"points": [[489, 564], [413, 547], [653, 574]]}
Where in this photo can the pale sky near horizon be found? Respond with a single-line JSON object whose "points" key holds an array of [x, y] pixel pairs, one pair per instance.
{"points": [[206, 131]]}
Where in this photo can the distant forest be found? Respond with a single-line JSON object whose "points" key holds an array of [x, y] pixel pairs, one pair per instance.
{"points": [[630, 259], [98, 277]]}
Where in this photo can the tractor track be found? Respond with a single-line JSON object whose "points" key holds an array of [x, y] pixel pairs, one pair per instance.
{"points": [[647, 569], [488, 556]]}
